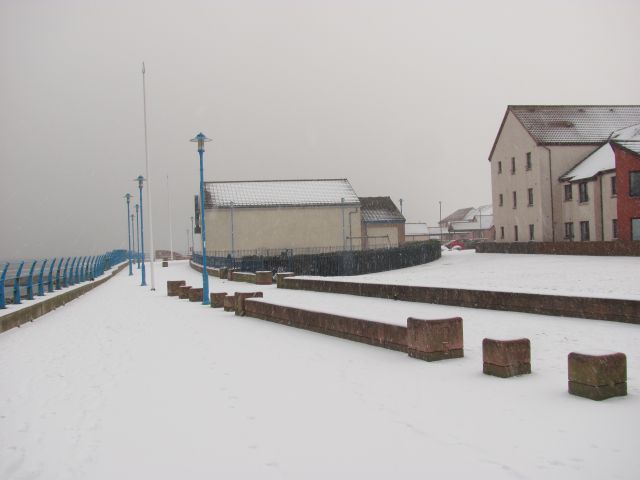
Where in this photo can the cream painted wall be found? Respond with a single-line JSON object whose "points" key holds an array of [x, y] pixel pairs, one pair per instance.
{"points": [[382, 230], [287, 227], [547, 166]]}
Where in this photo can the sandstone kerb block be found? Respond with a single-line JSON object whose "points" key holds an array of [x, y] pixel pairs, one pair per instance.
{"points": [[433, 340], [195, 294], [165, 263], [597, 376], [183, 291], [506, 358], [172, 287], [217, 299], [264, 277], [239, 299]]}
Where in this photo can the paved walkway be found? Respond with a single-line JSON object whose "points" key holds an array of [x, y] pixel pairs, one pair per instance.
{"points": [[129, 383]]}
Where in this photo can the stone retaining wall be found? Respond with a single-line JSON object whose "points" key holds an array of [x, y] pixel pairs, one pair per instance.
{"points": [[365, 331], [31, 312], [627, 311], [615, 248]]}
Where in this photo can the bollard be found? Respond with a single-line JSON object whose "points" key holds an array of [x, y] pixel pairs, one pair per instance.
{"points": [[229, 303], [239, 299], [173, 286], [597, 376], [506, 358], [217, 299], [183, 292], [264, 277], [195, 294], [433, 340]]}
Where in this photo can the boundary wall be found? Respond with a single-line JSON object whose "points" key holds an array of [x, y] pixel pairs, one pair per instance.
{"points": [[616, 248]]}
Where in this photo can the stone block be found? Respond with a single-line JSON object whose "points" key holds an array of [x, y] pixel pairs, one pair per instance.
{"points": [[506, 358], [239, 299], [183, 291], [280, 276], [195, 294], [229, 303], [597, 376], [433, 340], [172, 287], [165, 263], [217, 299], [230, 273], [222, 273], [264, 277]]}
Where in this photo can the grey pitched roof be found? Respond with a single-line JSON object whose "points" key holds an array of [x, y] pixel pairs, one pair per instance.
{"points": [[628, 138], [380, 210], [458, 215], [280, 193], [571, 124]]}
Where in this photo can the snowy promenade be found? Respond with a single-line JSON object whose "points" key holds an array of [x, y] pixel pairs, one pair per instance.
{"points": [[131, 384]]}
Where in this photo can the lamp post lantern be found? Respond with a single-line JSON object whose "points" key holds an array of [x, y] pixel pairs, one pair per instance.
{"points": [[140, 181], [128, 197], [201, 139]]}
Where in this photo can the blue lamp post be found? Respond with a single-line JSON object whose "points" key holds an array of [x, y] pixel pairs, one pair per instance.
{"points": [[140, 180], [128, 197], [138, 236], [201, 139]]}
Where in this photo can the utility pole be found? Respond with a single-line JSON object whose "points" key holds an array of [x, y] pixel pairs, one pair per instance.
{"points": [[152, 253]]}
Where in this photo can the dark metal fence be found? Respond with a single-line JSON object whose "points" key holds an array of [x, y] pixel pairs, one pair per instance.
{"points": [[26, 279], [326, 261]]}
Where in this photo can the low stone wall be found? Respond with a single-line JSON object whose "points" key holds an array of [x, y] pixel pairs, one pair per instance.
{"points": [[373, 333], [627, 311], [247, 277], [31, 312], [615, 248]]}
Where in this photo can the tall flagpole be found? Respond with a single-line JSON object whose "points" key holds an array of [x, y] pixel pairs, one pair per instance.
{"points": [[170, 226], [152, 253]]}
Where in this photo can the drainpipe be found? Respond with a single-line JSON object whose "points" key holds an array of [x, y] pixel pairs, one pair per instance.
{"points": [[601, 210], [553, 220]]}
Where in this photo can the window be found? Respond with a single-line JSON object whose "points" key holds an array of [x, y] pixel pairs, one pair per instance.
{"points": [[584, 231], [614, 189], [502, 233], [500, 200], [499, 167], [635, 229], [584, 192], [531, 227], [530, 192], [568, 192], [515, 200], [513, 165], [614, 227], [528, 164], [568, 230], [515, 233], [634, 184]]}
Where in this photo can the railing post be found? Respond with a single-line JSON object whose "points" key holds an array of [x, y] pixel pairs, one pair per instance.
{"points": [[71, 270], [40, 279], [86, 268], [16, 285], [77, 272], [2, 277], [81, 273], [95, 266], [65, 277], [58, 285], [50, 282], [30, 281]]}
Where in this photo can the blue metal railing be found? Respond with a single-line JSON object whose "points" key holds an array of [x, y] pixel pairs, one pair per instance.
{"points": [[62, 272]]}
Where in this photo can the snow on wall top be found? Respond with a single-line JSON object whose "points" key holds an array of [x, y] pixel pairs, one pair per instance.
{"points": [[575, 124], [628, 138], [601, 160], [416, 229], [279, 193]]}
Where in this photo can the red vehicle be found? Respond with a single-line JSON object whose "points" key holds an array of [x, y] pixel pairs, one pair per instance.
{"points": [[455, 243]]}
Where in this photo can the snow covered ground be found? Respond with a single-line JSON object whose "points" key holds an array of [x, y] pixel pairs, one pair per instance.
{"points": [[574, 275], [128, 383]]}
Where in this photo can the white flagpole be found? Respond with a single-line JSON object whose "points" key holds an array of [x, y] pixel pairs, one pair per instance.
{"points": [[152, 253], [170, 226]]}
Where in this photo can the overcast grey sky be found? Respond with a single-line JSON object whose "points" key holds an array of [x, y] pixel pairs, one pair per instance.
{"points": [[403, 98]]}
